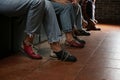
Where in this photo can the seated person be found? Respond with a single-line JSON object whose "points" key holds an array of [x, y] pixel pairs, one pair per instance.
{"points": [[35, 11]]}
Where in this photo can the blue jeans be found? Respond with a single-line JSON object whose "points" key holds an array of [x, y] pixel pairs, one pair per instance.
{"points": [[51, 24], [78, 16], [64, 12], [35, 11]]}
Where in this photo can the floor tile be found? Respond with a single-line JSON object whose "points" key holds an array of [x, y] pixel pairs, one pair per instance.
{"points": [[98, 60]]}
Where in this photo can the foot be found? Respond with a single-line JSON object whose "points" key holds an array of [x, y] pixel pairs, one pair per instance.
{"points": [[81, 33], [65, 56], [31, 52], [74, 43]]}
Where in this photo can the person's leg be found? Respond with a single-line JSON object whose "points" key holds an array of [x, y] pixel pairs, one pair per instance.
{"points": [[78, 30], [53, 33], [34, 11], [35, 16], [90, 11], [70, 35], [66, 22], [34, 20]]}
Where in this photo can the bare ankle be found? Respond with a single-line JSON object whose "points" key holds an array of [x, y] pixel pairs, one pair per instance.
{"points": [[69, 36], [55, 46]]}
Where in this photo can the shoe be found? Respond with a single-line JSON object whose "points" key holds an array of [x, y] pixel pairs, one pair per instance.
{"points": [[92, 26], [74, 43], [81, 41], [81, 33], [53, 55], [30, 51], [95, 29], [65, 56]]}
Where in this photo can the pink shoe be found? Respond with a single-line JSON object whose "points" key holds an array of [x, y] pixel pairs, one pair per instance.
{"points": [[30, 51]]}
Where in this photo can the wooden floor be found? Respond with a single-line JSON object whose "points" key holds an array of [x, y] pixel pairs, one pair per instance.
{"points": [[98, 60]]}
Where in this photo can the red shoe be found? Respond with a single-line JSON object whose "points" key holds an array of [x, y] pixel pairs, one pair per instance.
{"points": [[74, 43], [30, 51]]}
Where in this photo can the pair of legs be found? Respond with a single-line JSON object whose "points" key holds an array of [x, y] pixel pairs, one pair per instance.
{"points": [[30, 8], [89, 14], [38, 12], [79, 20], [63, 11]]}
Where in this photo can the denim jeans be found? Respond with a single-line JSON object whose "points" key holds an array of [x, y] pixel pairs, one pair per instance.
{"points": [[64, 12], [51, 24], [78, 16], [35, 11], [31, 8]]}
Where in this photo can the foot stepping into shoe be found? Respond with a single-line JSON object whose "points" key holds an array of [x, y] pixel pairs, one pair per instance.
{"points": [[74, 43], [31, 51], [65, 56]]}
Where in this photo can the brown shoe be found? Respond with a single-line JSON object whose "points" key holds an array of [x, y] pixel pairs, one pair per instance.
{"points": [[74, 43], [91, 26]]}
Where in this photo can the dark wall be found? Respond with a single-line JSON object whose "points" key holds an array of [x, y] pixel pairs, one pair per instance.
{"points": [[12, 34], [5, 36], [108, 11]]}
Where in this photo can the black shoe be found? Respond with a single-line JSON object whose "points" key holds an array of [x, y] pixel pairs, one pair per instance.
{"points": [[79, 40], [81, 33], [65, 56]]}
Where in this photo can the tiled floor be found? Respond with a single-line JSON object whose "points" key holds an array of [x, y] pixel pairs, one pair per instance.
{"points": [[99, 60]]}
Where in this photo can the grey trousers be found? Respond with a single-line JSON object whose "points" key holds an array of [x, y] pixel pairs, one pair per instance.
{"points": [[35, 11]]}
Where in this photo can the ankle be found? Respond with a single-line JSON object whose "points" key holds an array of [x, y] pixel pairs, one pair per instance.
{"points": [[69, 37], [28, 40], [55, 46]]}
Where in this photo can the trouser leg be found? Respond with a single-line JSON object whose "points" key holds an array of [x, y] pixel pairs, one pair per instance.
{"points": [[57, 7], [34, 10], [65, 18], [50, 23], [63, 11], [35, 16], [78, 17]]}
